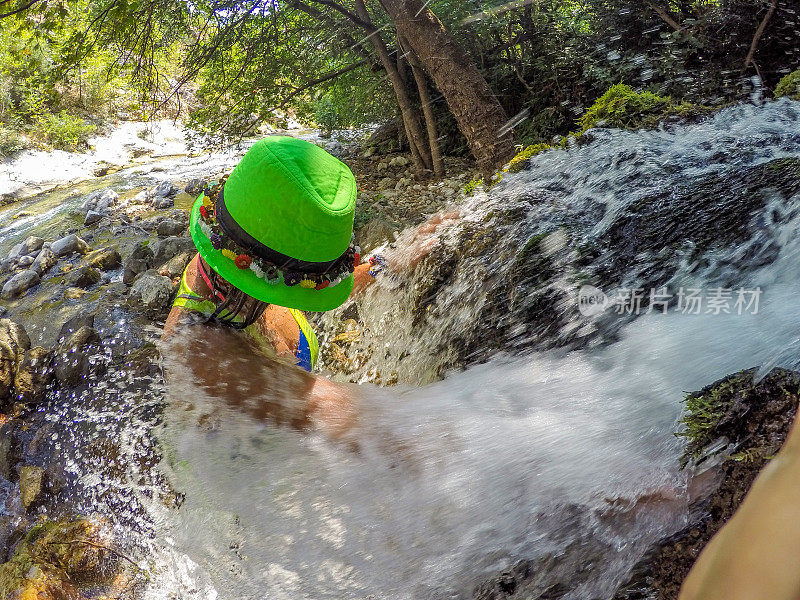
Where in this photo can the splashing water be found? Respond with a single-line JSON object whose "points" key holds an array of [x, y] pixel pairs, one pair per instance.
{"points": [[564, 456]]}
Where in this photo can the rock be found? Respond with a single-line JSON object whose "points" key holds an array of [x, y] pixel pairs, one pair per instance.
{"points": [[33, 374], [10, 449], [104, 259], [71, 361], [195, 186], [44, 261], [402, 183], [99, 201], [83, 277], [16, 251], [23, 262], [31, 482], [72, 325], [385, 183], [175, 266], [105, 168], [32, 244], [73, 293], [152, 291], [92, 217], [168, 248], [170, 227], [137, 262], [142, 197], [69, 244], [20, 283], [164, 189], [368, 152], [8, 366], [399, 161], [163, 202]]}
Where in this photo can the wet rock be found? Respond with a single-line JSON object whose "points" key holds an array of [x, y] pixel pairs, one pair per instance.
{"points": [[163, 202], [32, 244], [104, 259], [69, 244], [83, 277], [153, 292], [195, 186], [72, 358], [175, 266], [168, 248], [73, 293], [170, 227], [10, 449], [31, 483], [23, 262], [45, 260], [99, 201], [33, 375], [165, 189], [92, 217], [139, 261], [20, 283], [73, 325], [16, 251], [104, 168], [8, 367]]}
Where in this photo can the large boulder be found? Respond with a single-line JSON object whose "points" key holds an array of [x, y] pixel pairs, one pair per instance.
{"points": [[33, 375], [14, 343], [20, 283], [170, 247], [99, 201], [32, 245], [68, 245], [152, 292], [170, 227], [104, 259], [139, 261]]}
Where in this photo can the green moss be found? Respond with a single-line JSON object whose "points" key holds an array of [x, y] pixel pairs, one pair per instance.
{"points": [[623, 107], [789, 86], [472, 185], [518, 162]]}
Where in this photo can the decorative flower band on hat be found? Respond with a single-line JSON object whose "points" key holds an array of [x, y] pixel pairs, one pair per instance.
{"points": [[285, 270]]}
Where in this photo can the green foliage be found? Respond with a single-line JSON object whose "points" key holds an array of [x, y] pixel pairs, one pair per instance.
{"points": [[65, 132], [472, 185], [10, 142], [518, 162], [326, 115], [623, 107], [789, 86]]}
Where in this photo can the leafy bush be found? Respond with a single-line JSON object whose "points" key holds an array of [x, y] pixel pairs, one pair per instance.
{"points": [[10, 142], [789, 86], [65, 132], [326, 115], [623, 107]]}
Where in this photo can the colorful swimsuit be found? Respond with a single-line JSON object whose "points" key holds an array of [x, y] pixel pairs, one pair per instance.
{"points": [[307, 348]]}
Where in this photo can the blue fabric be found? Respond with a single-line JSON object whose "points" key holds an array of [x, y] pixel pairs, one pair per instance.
{"points": [[304, 352]]}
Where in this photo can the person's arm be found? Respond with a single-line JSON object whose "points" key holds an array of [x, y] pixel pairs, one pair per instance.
{"points": [[227, 365], [756, 555]]}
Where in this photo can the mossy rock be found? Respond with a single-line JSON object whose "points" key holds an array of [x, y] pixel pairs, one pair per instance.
{"points": [[519, 161], [789, 86], [624, 108]]}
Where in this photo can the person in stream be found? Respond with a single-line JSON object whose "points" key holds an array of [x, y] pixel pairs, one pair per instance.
{"points": [[273, 240]]}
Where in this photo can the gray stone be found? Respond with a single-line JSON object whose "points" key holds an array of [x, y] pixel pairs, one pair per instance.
{"points": [[32, 244], [137, 262], [33, 375], [23, 262], [152, 291], [399, 161], [44, 261], [20, 283], [100, 200], [163, 202], [175, 266], [69, 244], [195, 186], [170, 227], [71, 361], [142, 197], [164, 189], [92, 217], [104, 259], [83, 277], [16, 251], [31, 482], [167, 248]]}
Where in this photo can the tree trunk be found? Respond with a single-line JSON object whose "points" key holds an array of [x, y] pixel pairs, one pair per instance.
{"points": [[422, 158], [427, 111], [479, 115]]}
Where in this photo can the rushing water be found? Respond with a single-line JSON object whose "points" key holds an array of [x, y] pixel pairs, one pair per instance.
{"points": [[567, 458]]}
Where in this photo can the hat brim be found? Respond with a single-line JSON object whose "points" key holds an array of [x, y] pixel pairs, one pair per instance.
{"points": [[246, 280]]}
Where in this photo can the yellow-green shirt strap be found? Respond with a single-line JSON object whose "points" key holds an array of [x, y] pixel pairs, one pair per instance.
{"points": [[305, 327]]}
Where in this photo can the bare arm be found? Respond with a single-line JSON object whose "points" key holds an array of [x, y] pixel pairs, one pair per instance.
{"points": [[227, 365], [756, 556]]}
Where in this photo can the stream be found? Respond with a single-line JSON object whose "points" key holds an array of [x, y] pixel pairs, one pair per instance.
{"points": [[560, 454]]}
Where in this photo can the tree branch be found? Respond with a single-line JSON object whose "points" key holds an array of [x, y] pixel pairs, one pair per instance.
{"points": [[19, 10], [665, 16], [759, 32]]}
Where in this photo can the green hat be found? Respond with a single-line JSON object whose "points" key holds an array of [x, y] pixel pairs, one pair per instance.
{"points": [[281, 227]]}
